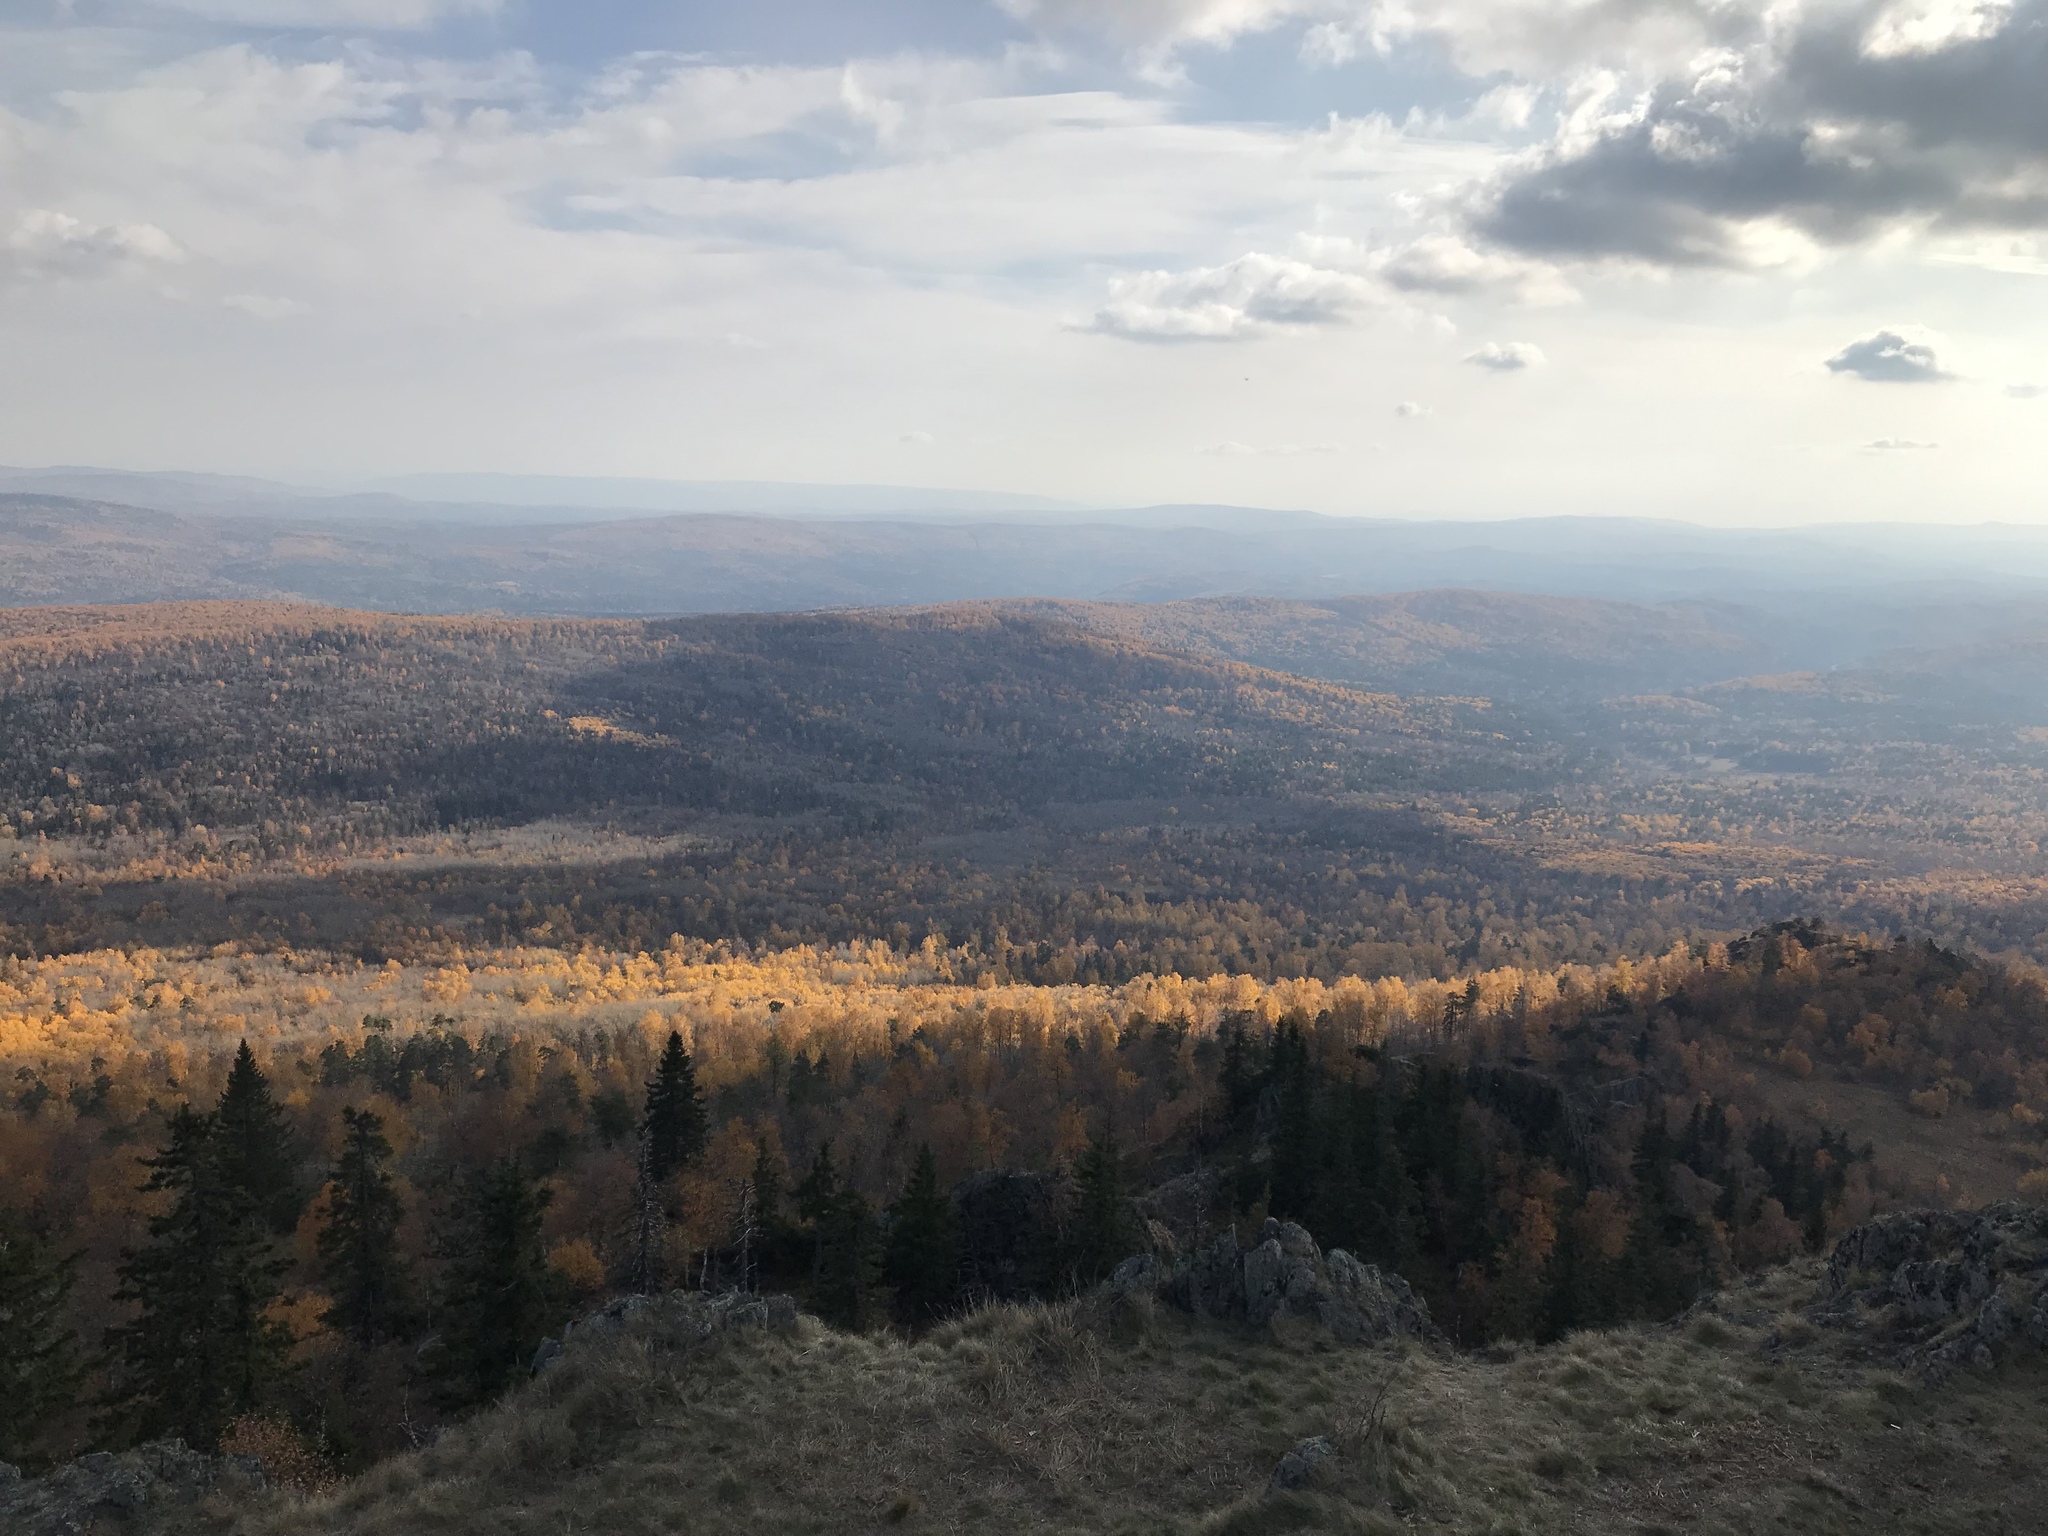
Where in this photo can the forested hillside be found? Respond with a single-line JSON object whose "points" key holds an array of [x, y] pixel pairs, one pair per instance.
{"points": [[381, 991], [1070, 802], [1535, 1151]]}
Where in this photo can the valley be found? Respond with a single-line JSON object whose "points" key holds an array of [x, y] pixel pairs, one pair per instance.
{"points": [[1546, 953]]}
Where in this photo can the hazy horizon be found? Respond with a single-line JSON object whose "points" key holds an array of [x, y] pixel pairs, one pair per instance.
{"points": [[1473, 258]]}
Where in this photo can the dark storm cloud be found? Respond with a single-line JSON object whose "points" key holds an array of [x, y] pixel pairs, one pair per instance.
{"points": [[1848, 126]]}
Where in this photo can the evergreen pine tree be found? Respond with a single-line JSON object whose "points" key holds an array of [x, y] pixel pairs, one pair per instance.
{"points": [[1294, 1176], [841, 1233], [844, 1273], [767, 1181], [254, 1144], [674, 1123], [39, 1364], [359, 1257], [1100, 1237], [1239, 1079], [819, 1189], [499, 1298], [1660, 1265], [1397, 1228], [922, 1260], [200, 1350]]}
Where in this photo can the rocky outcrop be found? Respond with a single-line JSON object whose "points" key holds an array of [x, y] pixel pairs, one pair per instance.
{"points": [[1297, 1469], [1284, 1274], [1949, 1288], [692, 1313], [107, 1492], [1185, 1205]]}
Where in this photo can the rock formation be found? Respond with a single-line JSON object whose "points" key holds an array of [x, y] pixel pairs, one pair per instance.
{"points": [[1284, 1274], [691, 1311], [106, 1492], [1952, 1288]]}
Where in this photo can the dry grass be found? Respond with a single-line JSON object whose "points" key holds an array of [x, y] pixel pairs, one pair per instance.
{"points": [[1742, 1419]]}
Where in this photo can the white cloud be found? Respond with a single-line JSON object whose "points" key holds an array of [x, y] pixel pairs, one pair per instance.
{"points": [[2026, 391], [1412, 410], [918, 437], [370, 15], [1899, 445], [1446, 264], [1482, 37], [46, 243], [1889, 358], [263, 306], [1929, 26], [1507, 356], [1252, 296], [1163, 23]]}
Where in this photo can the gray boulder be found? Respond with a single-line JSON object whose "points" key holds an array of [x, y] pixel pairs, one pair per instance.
{"points": [[1139, 1275], [693, 1313], [1953, 1288], [105, 1492], [1297, 1468], [1284, 1274]]}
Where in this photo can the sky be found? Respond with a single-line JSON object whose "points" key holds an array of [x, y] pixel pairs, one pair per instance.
{"points": [[1708, 259]]}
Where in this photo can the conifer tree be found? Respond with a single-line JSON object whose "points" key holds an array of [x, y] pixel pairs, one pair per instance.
{"points": [[674, 1123], [841, 1230], [819, 1189], [1294, 1132], [1239, 1078], [1395, 1223], [360, 1260], [254, 1144], [39, 1362], [922, 1260], [499, 1297], [1100, 1236], [1659, 1262], [200, 1350], [844, 1273], [767, 1181]]}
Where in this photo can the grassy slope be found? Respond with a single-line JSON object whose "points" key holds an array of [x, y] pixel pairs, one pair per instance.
{"points": [[1742, 1419]]}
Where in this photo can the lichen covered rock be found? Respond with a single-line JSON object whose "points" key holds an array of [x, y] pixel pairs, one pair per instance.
{"points": [[109, 1492], [1952, 1288], [1286, 1275], [693, 1312]]}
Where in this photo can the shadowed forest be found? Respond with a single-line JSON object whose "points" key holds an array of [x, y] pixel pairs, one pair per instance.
{"points": [[383, 992]]}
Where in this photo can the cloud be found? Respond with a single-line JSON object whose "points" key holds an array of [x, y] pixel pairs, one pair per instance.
{"points": [[918, 437], [1447, 264], [1230, 448], [46, 243], [1162, 24], [2026, 391], [1888, 358], [1826, 126], [263, 306], [1412, 410], [1479, 37], [1899, 445], [1507, 356], [1252, 296], [369, 15]]}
